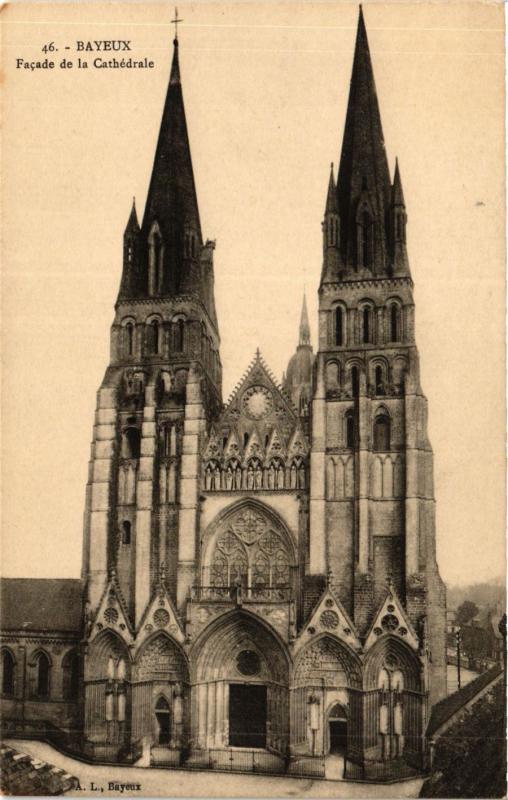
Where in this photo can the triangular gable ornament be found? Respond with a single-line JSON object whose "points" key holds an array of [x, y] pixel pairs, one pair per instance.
{"points": [[275, 447], [232, 448], [213, 447], [298, 445], [392, 619], [254, 448], [160, 615], [112, 612], [330, 616]]}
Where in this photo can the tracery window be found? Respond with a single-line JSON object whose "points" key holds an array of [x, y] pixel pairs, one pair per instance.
{"points": [[251, 553]]}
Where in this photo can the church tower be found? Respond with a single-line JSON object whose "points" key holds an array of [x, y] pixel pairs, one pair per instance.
{"points": [[372, 507], [162, 385]]}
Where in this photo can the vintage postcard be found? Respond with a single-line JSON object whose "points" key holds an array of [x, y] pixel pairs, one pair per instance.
{"points": [[253, 300]]}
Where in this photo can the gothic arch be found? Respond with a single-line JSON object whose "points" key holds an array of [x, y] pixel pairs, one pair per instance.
{"points": [[309, 669], [247, 543], [393, 317], [179, 333], [214, 653], [107, 644], [339, 317], [9, 671], [160, 657], [41, 667], [390, 650], [332, 375]]}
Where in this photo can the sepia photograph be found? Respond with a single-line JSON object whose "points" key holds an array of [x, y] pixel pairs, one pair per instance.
{"points": [[253, 399]]}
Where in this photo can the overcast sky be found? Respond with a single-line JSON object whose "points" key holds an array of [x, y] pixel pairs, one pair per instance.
{"points": [[265, 90]]}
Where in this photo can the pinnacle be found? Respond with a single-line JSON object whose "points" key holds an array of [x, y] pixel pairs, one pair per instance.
{"points": [[304, 337], [397, 193], [132, 223], [331, 197]]}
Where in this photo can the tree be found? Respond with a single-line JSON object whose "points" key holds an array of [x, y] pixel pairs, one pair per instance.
{"points": [[465, 612]]}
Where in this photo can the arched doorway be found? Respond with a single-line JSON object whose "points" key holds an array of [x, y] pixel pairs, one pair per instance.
{"points": [[337, 730], [163, 717], [240, 688]]}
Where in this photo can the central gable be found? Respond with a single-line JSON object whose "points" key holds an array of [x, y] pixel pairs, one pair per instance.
{"points": [[258, 421]]}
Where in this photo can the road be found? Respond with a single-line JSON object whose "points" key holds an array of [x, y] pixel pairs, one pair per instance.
{"points": [[94, 781]]}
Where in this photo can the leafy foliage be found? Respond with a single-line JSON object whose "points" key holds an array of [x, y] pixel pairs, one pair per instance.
{"points": [[465, 612], [470, 757]]}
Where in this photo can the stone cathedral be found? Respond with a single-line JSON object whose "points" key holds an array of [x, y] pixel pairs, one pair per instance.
{"points": [[259, 586]]}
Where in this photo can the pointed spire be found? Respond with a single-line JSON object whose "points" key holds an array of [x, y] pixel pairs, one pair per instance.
{"points": [[304, 336], [398, 220], [175, 64], [132, 223], [363, 180], [397, 193], [331, 197], [172, 201]]}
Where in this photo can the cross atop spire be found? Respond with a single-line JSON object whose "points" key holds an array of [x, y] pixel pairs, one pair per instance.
{"points": [[176, 22]]}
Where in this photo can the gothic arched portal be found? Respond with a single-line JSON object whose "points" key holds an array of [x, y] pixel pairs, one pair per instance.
{"points": [[240, 685]]}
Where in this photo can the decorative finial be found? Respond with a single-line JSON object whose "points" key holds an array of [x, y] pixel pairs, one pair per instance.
{"points": [[329, 578], [162, 572], [175, 22]]}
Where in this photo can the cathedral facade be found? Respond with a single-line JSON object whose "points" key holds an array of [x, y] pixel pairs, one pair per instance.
{"points": [[259, 576]]}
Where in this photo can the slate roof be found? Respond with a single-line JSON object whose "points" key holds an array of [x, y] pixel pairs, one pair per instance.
{"points": [[41, 604], [23, 775], [447, 707]]}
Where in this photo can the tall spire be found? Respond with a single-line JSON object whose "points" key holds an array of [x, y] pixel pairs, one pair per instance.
{"points": [[304, 335], [363, 186], [172, 204]]}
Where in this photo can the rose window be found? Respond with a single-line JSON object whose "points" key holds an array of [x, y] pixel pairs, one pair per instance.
{"points": [[111, 615], [390, 622], [248, 662], [329, 619], [161, 617]]}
